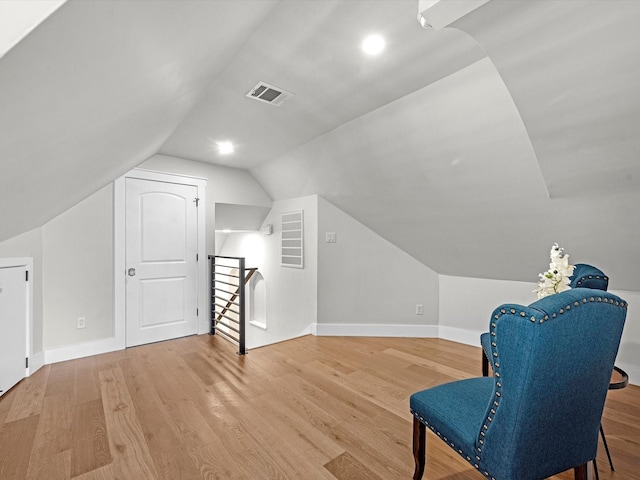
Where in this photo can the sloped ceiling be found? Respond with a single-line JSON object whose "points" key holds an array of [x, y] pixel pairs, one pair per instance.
{"points": [[479, 173], [472, 148], [312, 49], [17, 19], [572, 69], [97, 88]]}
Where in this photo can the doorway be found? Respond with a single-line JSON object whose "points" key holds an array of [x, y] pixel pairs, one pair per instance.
{"points": [[15, 320], [160, 260]]}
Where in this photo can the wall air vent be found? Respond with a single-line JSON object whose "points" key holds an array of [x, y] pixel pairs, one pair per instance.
{"points": [[269, 94]]}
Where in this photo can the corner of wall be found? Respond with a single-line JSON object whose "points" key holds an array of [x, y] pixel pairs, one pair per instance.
{"points": [[364, 279]]}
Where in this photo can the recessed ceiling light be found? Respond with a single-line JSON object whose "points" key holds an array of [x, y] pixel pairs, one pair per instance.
{"points": [[373, 44], [225, 148]]}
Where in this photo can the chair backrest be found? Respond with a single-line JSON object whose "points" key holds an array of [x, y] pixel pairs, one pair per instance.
{"points": [[553, 361], [588, 276]]}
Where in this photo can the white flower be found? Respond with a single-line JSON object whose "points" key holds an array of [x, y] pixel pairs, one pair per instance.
{"points": [[558, 277]]}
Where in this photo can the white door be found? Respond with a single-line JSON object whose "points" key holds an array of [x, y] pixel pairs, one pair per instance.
{"points": [[161, 248], [13, 326]]}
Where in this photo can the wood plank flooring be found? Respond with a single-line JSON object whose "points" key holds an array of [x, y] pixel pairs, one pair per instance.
{"points": [[323, 408]]}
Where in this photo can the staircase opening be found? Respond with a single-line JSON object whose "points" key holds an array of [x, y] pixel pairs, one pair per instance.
{"points": [[229, 277]]}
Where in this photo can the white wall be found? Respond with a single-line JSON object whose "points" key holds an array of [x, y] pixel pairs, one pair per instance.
{"points": [[73, 275], [291, 292], [78, 272], [362, 284], [367, 285], [29, 244], [466, 304], [629, 353], [73, 258], [224, 185], [464, 321]]}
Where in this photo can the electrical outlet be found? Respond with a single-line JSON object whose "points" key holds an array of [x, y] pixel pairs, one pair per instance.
{"points": [[81, 322], [419, 309], [330, 237]]}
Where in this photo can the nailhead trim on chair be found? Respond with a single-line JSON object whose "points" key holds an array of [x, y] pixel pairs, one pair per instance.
{"points": [[598, 277]]}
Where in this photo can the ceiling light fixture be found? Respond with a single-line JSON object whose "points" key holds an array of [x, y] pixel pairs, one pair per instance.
{"points": [[224, 148], [373, 44]]}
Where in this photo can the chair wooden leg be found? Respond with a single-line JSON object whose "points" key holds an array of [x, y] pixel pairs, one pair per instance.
{"points": [[581, 472], [419, 447], [485, 365]]}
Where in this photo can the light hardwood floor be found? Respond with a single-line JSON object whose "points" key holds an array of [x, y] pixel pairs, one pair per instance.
{"points": [[310, 408]]}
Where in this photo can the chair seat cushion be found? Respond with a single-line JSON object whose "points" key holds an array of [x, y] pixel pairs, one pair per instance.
{"points": [[455, 411]]}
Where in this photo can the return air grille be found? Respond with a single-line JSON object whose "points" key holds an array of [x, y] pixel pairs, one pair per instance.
{"points": [[269, 94]]}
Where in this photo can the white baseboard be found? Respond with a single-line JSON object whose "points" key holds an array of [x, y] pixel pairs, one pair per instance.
{"points": [[36, 361], [272, 341], [460, 335], [79, 351], [305, 331], [371, 330]]}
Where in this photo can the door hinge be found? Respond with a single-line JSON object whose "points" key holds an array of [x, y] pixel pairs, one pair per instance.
{"points": [[196, 200], [26, 362], [197, 257], [197, 312], [26, 276]]}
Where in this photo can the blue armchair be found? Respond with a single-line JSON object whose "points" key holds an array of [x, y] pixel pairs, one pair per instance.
{"points": [[540, 412], [585, 276], [588, 276]]}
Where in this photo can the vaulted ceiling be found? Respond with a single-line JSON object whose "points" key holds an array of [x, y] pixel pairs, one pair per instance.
{"points": [[473, 148]]}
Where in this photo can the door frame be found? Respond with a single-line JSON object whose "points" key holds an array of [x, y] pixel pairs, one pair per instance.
{"points": [[119, 257], [35, 361]]}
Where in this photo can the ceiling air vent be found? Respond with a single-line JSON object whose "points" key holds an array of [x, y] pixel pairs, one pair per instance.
{"points": [[269, 94]]}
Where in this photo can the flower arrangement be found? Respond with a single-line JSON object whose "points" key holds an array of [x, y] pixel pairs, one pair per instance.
{"points": [[558, 277]]}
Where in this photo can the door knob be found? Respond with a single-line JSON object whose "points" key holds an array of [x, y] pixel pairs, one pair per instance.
{"points": [[131, 272]]}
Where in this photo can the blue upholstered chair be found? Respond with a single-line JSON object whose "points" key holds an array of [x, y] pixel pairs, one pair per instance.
{"points": [[588, 276], [585, 276], [540, 412]]}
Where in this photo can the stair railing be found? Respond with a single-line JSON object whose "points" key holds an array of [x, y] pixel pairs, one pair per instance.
{"points": [[228, 313]]}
